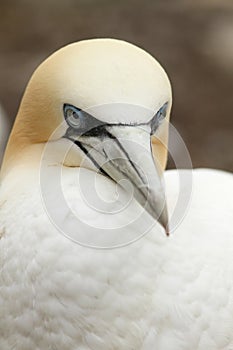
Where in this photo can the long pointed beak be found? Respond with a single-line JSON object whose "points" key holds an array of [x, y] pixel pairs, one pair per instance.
{"points": [[124, 153]]}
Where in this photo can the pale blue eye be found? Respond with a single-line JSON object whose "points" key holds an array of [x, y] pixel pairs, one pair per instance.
{"points": [[79, 121], [74, 117]]}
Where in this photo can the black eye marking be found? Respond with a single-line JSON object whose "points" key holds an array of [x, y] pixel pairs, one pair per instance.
{"points": [[81, 122], [158, 118]]}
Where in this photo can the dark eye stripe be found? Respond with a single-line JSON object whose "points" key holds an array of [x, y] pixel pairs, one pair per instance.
{"points": [[85, 124], [158, 118], [81, 121]]}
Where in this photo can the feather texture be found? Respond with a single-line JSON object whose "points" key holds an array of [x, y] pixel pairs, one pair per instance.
{"points": [[157, 293]]}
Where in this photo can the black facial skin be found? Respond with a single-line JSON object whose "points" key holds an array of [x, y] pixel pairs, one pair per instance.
{"points": [[82, 123]]}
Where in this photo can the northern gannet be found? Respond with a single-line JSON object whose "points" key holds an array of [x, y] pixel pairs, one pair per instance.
{"points": [[91, 116]]}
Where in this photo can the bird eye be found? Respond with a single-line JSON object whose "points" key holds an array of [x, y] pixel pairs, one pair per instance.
{"points": [[81, 122], [158, 118], [74, 117], [162, 112]]}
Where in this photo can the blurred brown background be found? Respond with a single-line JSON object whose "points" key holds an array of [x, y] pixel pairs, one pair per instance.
{"points": [[192, 39]]}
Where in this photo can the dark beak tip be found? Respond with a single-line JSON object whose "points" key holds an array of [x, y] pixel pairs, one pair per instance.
{"points": [[167, 231]]}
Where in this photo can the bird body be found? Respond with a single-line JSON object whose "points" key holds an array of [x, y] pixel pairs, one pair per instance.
{"points": [[109, 281], [156, 293]]}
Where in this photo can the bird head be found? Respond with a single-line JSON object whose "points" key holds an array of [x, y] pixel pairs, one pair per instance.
{"points": [[111, 101]]}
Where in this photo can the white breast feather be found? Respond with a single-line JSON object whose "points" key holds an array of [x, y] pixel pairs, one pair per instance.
{"points": [[159, 293]]}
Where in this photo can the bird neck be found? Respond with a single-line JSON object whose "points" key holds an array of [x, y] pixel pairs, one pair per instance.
{"points": [[27, 138]]}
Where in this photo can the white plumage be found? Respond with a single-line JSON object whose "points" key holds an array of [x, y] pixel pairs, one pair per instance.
{"points": [[163, 293]]}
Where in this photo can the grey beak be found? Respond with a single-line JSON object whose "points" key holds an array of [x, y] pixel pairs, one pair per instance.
{"points": [[124, 153]]}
